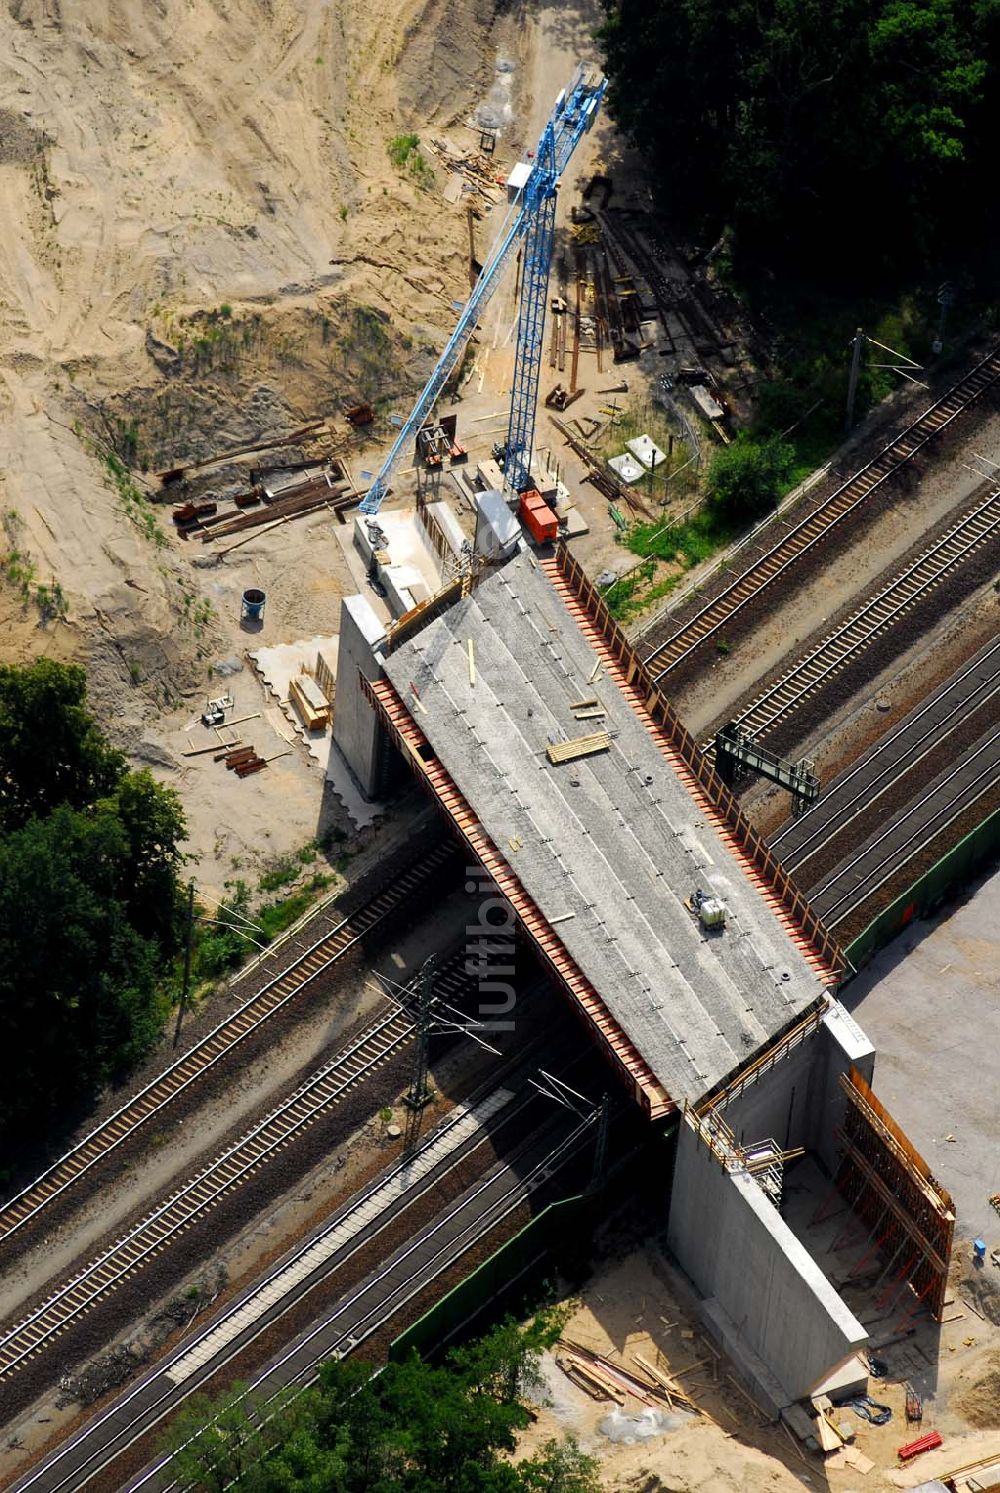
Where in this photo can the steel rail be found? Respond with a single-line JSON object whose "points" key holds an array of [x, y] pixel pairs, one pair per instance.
{"points": [[140, 1424], [892, 862], [802, 537], [889, 776], [161, 1091], [869, 621], [443, 1256], [888, 742], [230, 1169]]}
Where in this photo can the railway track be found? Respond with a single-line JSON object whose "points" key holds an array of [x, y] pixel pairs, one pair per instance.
{"points": [[407, 1269], [857, 882], [808, 844], [230, 1169], [151, 1101], [848, 641], [803, 537]]}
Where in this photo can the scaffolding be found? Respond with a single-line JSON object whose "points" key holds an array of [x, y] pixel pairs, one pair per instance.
{"points": [[909, 1217]]}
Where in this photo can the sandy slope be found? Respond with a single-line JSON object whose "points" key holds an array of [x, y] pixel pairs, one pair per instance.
{"points": [[159, 159]]}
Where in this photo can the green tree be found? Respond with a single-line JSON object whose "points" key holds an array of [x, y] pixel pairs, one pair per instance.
{"points": [[837, 137], [746, 477], [153, 824], [78, 982], [89, 863], [560, 1467], [412, 1428], [51, 749], [221, 1443]]}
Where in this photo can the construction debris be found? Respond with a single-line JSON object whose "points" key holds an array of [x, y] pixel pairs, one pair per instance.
{"points": [[603, 1379], [597, 473], [560, 398]]}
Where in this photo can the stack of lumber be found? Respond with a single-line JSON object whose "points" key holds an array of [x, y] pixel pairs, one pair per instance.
{"points": [[243, 761], [579, 746], [310, 703], [604, 1379]]}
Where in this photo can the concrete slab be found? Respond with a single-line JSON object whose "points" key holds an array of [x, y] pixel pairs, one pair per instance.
{"points": [[278, 666], [931, 1004], [645, 450], [627, 468], [612, 845]]}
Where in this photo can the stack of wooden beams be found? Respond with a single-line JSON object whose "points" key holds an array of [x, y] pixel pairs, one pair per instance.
{"points": [[579, 746], [243, 761], [311, 496]]}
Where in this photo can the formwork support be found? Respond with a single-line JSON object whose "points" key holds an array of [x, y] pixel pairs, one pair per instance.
{"points": [[890, 1187]]}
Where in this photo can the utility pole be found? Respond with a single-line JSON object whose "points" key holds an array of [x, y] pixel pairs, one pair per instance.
{"points": [[601, 1148], [187, 964], [946, 299], [852, 382], [419, 1095]]}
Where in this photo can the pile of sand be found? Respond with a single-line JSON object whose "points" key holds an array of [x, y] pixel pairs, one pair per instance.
{"points": [[978, 1403]]}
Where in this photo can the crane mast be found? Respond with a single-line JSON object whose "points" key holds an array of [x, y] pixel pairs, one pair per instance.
{"points": [[530, 222]]}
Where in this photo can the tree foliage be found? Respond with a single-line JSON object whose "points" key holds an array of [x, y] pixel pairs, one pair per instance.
{"points": [[412, 1428], [840, 135], [51, 750], [746, 477], [89, 861]]}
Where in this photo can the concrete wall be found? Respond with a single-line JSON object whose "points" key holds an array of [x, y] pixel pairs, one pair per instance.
{"points": [[741, 1254], [798, 1102], [780, 1105], [844, 1046], [357, 733]]}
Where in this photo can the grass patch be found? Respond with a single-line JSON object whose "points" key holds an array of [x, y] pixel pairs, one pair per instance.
{"points": [[223, 938], [134, 503], [18, 569], [405, 154], [667, 552]]}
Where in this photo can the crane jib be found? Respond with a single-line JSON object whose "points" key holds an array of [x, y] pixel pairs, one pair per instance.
{"points": [[530, 220]]}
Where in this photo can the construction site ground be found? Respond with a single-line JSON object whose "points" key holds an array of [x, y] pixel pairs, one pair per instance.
{"points": [[638, 1303], [188, 278]]}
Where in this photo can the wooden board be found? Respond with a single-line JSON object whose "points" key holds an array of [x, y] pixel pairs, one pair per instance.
{"points": [[579, 746], [313, 719]]}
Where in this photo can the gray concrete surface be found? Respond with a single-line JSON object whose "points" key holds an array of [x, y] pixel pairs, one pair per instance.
{"points": [[611, 846], [931, 1004], [357, 735], [733, 1243]]}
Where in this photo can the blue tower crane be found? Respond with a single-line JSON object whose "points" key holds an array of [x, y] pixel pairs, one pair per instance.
{"points": [[530, 221]]}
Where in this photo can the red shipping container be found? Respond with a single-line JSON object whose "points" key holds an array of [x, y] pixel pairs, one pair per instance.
{"points": [[537, 517]]}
